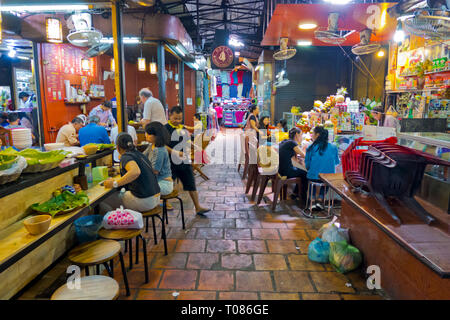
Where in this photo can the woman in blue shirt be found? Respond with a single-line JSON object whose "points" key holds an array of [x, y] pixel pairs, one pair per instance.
{"points": [[321, 157], [158, 136]]}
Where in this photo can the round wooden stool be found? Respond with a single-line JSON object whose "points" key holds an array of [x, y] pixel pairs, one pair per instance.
{"points": [[173, 195], [155, 212], [127, 235], [91, 288], [96, 253]]}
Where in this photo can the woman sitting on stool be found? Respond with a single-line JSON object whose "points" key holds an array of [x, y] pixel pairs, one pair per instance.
{"points": [[321, 157], [158, 136], [143, 193], [289, 150]]}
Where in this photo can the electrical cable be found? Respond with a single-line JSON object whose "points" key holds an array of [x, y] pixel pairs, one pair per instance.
{"points": [[360, 70]]}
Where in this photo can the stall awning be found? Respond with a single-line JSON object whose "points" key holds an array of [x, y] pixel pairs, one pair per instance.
{"points": [[286, 19]]}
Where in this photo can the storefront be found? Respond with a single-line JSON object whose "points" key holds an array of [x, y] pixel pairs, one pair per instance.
{"points": [[62, 81]]}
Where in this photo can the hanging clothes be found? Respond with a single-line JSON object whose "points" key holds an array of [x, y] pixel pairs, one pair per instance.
{"points": [[225, 91], [214, 87], [239, 87], [225, 77], [233, 91], [218, 91], [247, 84], [228, 118], [234, 78], [240, 75]]}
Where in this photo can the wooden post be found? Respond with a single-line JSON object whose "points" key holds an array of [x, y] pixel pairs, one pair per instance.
{"points": [[119, 76]]}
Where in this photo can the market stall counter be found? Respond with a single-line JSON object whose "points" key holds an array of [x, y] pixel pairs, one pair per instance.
{"points": [[24, 256], [414, 258]]}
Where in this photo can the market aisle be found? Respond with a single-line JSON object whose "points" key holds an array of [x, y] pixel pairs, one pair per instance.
{"points": [[239, 251]]}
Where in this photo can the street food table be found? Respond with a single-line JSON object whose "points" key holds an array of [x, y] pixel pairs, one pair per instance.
{"points": [[23, 256], [414, 258]]}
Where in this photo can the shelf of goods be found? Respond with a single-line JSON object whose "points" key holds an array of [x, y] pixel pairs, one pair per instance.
{"points": [[24, 256]]}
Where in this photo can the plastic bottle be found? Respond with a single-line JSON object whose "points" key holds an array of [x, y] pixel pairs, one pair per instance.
{"points": [[89, 173]]}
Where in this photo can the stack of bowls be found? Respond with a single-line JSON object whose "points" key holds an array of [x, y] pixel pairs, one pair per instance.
{"points": [[21, 138]]}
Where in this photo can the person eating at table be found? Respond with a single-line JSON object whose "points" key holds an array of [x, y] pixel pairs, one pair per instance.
{"points": [[180, 167], [321, 157], [93, 133], [67, 134], [14, 121], [137, 176], [103, 112], [264, 124], [289, 152]]}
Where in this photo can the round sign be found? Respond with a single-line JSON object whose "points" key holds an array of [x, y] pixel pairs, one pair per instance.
{"points": [[222, 56]]}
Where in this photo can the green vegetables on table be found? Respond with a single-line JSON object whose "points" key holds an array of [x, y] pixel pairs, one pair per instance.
{"points": [[35, 157], [66, 201], [7, 161], [102, 146]]}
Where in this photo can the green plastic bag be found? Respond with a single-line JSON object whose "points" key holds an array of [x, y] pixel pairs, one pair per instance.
{"points": [[319, 251], [344, 257]]}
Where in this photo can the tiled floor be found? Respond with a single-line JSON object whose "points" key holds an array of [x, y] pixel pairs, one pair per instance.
{"points": [[239, 252]]}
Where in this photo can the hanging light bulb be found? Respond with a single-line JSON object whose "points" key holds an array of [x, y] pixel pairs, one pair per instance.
{"points": [[153, 68], [54, 30], [141, 64], [85, 64], [113, 66], [399, 34], [177, 86]]}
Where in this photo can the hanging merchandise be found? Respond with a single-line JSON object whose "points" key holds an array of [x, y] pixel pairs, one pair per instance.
{"points": [[239, 90], [215, 88], [240, 75], [226, 91], [218, 91], [247, 84], [234, 111], [233, 91]]}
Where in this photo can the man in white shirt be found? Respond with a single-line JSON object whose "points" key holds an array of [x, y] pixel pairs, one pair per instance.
{"points": [[153, 109]]}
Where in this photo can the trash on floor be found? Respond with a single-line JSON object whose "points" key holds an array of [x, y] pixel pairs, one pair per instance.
{"points": [[319, 251], [344, 257]]}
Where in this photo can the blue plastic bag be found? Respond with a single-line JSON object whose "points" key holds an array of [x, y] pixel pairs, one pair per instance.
{"points": [[319, 251]]}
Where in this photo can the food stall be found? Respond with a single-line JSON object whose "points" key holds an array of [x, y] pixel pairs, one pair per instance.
{"points": [[406, 232], [23, 256]]}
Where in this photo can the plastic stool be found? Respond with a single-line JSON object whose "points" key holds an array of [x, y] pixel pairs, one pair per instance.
{"points": [[309, 200]]}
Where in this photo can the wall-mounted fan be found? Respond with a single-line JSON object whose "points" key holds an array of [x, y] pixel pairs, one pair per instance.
{"points": [[284, 53], [82, 34], [365, 46], [281, 78], [429, 23], [98, 49], [332, 35]]}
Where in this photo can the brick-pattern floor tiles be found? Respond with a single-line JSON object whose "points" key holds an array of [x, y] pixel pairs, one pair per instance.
{"points": [[239, 251]]}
